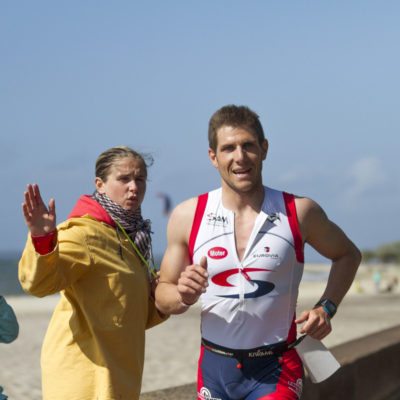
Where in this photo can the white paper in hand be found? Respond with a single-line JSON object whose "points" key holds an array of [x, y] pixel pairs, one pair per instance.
{"points": [[317, 359]]}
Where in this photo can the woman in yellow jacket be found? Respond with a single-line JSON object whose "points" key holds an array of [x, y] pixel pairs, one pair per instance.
{"points": [[99, 259]]}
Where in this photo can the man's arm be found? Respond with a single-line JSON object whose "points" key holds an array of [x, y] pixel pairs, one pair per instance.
{"points": [[181, 283], [331, 242]]}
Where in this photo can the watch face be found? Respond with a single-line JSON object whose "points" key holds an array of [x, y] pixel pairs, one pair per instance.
{"points": [[330, 307]]}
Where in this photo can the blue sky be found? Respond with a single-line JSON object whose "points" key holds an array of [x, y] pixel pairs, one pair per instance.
{"points": [[79, 77]]}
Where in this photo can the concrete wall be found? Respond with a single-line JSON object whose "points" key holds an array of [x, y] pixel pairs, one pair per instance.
{"points": [[370, 371]]}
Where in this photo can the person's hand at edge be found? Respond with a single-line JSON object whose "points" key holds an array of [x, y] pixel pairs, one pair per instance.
{"points": [[38, 219]]}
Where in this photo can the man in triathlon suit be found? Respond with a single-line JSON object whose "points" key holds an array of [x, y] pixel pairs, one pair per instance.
{"points": [[240, 250]]}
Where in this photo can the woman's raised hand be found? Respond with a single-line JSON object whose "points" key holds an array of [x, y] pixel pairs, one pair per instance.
{"points": [[38, 219]]}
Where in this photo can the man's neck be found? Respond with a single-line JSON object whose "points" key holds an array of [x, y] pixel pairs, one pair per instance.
{"points": [[241, 201]]}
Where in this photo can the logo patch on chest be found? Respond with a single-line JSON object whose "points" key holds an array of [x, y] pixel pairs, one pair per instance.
{"points": [[263, 287], [217, 220], [266, 253], [217, 253]]}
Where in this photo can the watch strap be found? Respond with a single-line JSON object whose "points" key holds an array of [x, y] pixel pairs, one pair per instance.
{"points": [[329, 307]]}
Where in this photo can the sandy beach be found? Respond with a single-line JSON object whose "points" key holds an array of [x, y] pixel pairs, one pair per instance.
{"points": [[172, 348]]}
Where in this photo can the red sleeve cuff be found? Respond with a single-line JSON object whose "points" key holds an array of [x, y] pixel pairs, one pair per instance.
{"points": [[44, 244]]}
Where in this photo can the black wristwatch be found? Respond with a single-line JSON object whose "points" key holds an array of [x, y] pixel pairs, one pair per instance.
{"points": [[328, 306]]}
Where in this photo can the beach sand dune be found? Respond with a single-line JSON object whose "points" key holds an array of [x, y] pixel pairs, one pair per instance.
{"points": [[172, 348]]}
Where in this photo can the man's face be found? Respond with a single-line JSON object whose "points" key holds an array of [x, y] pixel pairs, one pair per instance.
{"points": [[239, 158]]}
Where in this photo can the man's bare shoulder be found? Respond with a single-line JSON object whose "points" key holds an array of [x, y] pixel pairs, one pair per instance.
{"points": [[321, 233], [184, 211], [310, 215], [180, 222], [306, 207]]}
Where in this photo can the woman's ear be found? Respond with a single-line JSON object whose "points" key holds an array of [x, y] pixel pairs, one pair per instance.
{"points": [[99, 185]]}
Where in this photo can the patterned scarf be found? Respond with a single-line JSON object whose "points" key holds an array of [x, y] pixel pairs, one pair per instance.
{"points": [[135, 226]]}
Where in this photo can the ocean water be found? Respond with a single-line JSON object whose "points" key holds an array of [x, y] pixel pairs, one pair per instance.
{"points": [[9, 284]]}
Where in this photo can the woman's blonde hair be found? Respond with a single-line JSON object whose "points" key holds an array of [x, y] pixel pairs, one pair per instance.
{"points": [[106, 159]]}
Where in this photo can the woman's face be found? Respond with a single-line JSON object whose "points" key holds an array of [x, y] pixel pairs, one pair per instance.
{"points": [[125, 183]]}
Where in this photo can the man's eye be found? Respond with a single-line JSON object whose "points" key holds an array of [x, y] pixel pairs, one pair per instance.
{"points": [[249, 146]]}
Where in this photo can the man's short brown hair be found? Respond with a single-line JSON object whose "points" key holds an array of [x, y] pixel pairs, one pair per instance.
{"points": [[235, 116]]}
